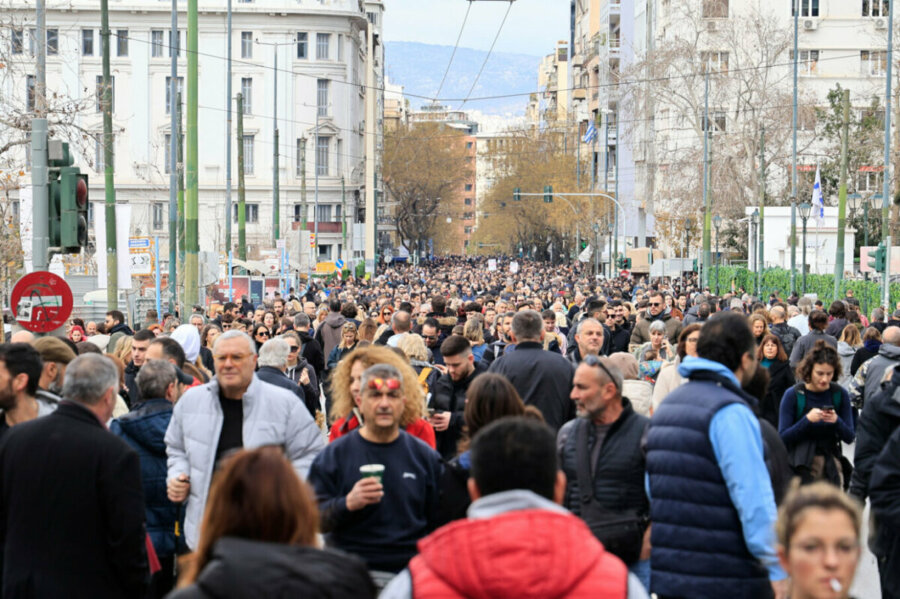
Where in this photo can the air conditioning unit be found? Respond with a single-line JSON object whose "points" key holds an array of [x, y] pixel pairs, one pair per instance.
{"points": [[880, 23], [810, 24]]}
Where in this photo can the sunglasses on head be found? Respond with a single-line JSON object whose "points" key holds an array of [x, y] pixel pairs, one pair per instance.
{"points": [[592, 360], [380, 384]]}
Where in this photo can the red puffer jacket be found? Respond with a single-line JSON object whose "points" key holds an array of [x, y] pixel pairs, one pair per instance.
{"points": [[523, 554]]}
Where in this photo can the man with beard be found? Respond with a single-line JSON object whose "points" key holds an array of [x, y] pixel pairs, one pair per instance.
{"points": [[620, 333], [656, 310], [450, 393], [56, 355], [589, 340], [432, 337], [20, 372], [116, 329]]}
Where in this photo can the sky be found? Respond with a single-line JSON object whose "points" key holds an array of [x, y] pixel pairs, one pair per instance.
{"points": [[532, 27]]}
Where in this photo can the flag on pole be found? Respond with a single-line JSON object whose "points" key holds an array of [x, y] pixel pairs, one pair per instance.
{"points": [[585, 255], [591, 133], [817, 202]]}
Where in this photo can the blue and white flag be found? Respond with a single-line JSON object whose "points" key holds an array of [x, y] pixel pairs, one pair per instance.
{"points": [[817, 202], [591, 133]]}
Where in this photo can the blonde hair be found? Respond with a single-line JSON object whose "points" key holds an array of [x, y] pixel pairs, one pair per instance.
{"points": [[413, 346], [473, 332], [342, 399], [820, 495], [850, 336], [123, 348]]}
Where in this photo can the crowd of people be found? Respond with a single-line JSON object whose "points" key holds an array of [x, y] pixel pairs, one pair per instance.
{"points": [[431, 431]]}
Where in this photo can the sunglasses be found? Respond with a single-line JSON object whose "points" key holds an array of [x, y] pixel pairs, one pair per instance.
{"points": [[380, 384], [655, 304], [592, 360], [293, 348], [262, 334]]}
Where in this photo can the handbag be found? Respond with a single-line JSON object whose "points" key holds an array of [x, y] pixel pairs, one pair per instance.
{"points": [[621, 533]]}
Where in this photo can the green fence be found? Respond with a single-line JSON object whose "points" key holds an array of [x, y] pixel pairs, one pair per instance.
{"points": [[779, 279]]}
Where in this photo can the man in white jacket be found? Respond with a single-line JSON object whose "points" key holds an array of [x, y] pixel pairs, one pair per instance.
{"points": [[235, 410]]}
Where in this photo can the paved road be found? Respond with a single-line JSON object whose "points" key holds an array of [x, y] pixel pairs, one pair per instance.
{"points": [[866, 584]]}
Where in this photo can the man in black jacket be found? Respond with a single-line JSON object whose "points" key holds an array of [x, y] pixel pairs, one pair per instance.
{"points": [[273, 356], [450, 392], [93, 543], [543, 379], [874, 427], [312, 350], [603, 448], [884, 491]]}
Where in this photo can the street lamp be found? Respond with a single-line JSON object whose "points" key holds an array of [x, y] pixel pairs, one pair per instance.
{"points": [[717, 222], [688, 223], [804, 210], [754, 228]]}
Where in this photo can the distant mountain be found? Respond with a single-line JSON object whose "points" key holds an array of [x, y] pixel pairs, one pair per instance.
{"points": [[419, 68]]}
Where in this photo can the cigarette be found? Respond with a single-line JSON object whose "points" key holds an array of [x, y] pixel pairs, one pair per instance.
{"points": [[836, 585]]}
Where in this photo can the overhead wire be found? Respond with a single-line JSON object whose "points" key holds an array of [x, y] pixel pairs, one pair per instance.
{"points": [[455, 47], [488, 55]]}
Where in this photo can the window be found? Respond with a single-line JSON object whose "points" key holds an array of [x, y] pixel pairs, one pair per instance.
{"points": [[323, 213], [324, 252], [323, 40], [112, 94], [340, 47], [875, 8], [159, 216], [468, 201], [298, 213], [468, 230], [87, 42], [715, 9], [32, 37], [322, 96], [29, 92], [251, 213], [373, 18], [469, 145], [806, 118], [808, 62], [338, 155], [17, 40], [246, 44], [874, 62], [302, 39], [322, 144], [167, 151], [170, 101], [156, 43], [468, 187], [875, 118], [247, 94], [468, 216], [869, 180], [808, 8], [714, 62], [337, 212], [122, 42], [28, 150], [717, 120], [175, 43], [248, 154], [52, 42]]}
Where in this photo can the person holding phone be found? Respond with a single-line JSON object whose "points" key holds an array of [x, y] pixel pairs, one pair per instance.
{"points": [[815, 416]]}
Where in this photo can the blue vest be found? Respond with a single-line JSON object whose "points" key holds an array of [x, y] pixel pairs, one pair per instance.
{"points": [[698, 543]]}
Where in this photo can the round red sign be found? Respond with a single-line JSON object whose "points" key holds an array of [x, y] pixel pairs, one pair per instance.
{"points": [[41, 302]]}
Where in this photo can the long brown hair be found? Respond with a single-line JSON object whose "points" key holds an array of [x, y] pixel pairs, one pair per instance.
{"points": [[490, 397], [780, 355], [257, 496]]}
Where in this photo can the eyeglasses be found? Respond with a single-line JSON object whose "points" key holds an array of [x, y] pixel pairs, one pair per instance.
{"points": [[293, 348], [430, 337], [592, 360], [692, 339]]}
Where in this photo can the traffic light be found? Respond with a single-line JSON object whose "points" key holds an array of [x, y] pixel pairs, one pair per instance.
{"points": [[626, 263], [880, 258], [548, 194], [68, 201], [694, 266], [517, 194]]}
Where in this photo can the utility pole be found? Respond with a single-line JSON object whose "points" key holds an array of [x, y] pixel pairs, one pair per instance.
{"points": [[760, 260], [180, 154], [344, 220], [886, 184], [276, 209], [315, 244], [842, 195], [371, 208], [796, 7], [704, 282], [174, 142], [191, 234], [112, 260], [228, 77], [40, 245], [242, 206], [302, 199], [616, 206]]}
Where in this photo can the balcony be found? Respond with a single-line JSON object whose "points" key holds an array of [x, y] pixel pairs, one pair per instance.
{"points": [[615, 47], [615, 7], [324, 226]]}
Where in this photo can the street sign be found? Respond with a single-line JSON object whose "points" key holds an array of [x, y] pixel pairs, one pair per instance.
{"points": [[137, 243], [312, 240], [41, 302], [339, 263]]}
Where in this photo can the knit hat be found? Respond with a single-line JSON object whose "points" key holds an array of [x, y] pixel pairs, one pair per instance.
{"points": [[53, 349], [187, 336]]}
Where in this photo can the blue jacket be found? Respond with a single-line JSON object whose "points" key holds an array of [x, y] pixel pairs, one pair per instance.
{"points": [[144, 429], [712, 505]]}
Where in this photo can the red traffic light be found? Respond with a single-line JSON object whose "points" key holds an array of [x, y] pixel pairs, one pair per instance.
{"points": [[81, 193]]}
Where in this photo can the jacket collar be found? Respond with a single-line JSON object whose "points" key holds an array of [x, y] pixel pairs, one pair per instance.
{"points": [[509, 501], [77, 411], [252, 392], [691, 366], [530, 345]]}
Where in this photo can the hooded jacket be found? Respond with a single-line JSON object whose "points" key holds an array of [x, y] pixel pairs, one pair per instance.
{"points": [[329, 332], [144, 428], [245, 569]]}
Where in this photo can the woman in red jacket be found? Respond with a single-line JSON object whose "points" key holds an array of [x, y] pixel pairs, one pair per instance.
{"points": [[345, 392]]}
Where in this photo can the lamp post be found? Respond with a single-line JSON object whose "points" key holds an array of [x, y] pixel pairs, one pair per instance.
{"points": [[717, 222], [596, 229], [794, 230], [688, 223], [804, 210], [754, 228], [609, 231]]}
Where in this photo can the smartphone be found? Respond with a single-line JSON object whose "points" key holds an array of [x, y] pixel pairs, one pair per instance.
{"points": [[430, 412], [828, 409]]}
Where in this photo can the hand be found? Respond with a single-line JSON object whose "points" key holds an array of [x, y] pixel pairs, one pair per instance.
{"points": [[365, 492], [440, 421], [781, 588], [815, 415], [178, 488], [829, 416], [441, 368], [304, 377]]}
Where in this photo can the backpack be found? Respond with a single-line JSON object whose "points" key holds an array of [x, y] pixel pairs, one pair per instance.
{"points": [[423, 378], [836, 397]]}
